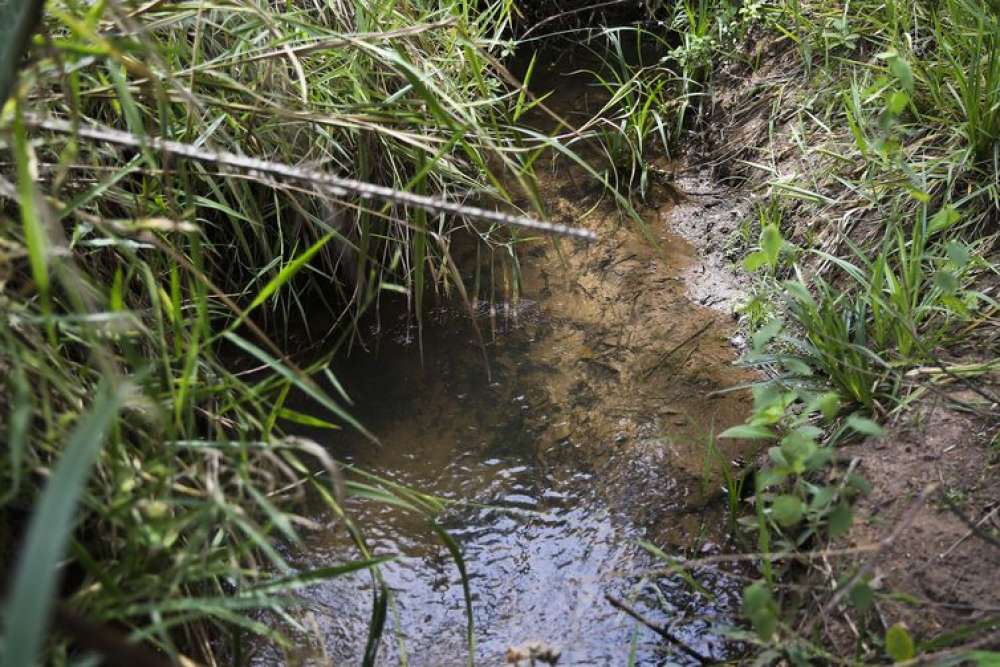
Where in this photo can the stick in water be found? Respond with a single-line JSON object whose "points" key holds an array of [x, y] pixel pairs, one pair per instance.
{"points": [[657, 628]]}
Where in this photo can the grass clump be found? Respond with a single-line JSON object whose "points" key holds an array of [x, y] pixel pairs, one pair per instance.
{"points": [[170, 276]]}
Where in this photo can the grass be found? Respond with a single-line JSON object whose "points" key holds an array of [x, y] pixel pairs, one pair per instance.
{"points": [[181, 187]]}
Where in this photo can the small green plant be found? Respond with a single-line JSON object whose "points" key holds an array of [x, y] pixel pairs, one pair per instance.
{"points": [[733, 480], [633, 120], [795, 507], [771, 246]]}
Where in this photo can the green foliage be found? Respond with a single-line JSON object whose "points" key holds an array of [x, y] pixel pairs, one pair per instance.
{"points": [[169, 277], [796, 507], [771, 245], [18, 19], [760, 607], [29, 607], [894, 111], [635, 119], [899, 644]]}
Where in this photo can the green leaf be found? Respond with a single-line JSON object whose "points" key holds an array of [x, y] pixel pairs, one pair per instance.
{"points": [[456, 554], [859, 484], [897, 102], [943, 219], [861, 596], [819, 459], [748, 432], [286, 273], [958, 253], [839, 521], [947, 282], [759, 606], [984, 658], [899, 643], [18, 19], [797, 449], [778, 458], [302, 579], [901, 70], [305, 383], [763, 335], [755, 261], [822, 497], [770, 476], [865, 426], [35, 236], [808, 431], [306, 419], [797, 367], [771, 243], [799, 292], [36, 579], [787, 510], [828, 405]]}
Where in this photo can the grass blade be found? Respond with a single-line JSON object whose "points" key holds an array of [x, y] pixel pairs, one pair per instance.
{"points": [[18, 19], [30, 604]]}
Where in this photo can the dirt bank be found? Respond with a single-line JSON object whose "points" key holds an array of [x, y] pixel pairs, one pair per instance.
{"points": [[939, 576]]}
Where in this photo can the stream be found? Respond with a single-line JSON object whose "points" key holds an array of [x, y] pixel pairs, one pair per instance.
{"points": [[583, 434]]}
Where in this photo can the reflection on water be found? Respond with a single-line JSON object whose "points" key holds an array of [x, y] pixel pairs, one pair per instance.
{"points": [[589, 436], [539, 528]]}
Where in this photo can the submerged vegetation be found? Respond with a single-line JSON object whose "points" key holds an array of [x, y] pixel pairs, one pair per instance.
{"points": [[150, 297]]}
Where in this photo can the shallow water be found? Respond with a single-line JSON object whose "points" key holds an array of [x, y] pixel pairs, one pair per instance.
{"points": [[583, 432], [542, 539]]}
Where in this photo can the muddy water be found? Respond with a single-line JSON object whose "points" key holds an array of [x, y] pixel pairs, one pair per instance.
{"points": [[586, 436]]}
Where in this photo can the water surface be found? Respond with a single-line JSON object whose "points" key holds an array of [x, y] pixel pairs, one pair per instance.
{"points": [[580, 431]]}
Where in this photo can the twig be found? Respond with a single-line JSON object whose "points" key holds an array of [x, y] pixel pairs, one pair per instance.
{"points": [[335, 185], [666, 355], [657, 628], [974, 528]]}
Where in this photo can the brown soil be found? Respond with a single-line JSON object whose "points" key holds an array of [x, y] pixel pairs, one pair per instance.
{"points": [[938, 575]]}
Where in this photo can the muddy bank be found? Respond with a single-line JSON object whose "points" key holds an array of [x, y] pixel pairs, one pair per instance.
{"points": [[938, 577]]}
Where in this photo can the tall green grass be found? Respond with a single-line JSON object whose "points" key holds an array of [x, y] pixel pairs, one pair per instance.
{"points": [[177, 281], [894, 106]]}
